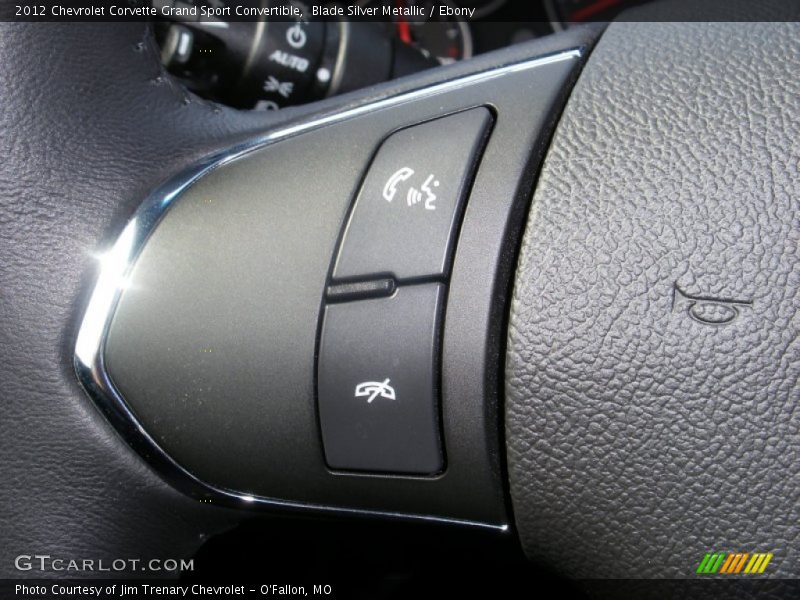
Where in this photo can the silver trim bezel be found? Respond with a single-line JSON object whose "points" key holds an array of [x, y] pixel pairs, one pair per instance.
{"points": [[115, 268]]}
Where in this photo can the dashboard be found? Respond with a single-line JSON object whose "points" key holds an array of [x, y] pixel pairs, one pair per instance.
{"points": [[323, 49], [472, 27]]}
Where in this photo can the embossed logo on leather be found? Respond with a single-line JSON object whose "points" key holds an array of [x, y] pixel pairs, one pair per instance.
{"points": [[732, 563], [707, 309]]}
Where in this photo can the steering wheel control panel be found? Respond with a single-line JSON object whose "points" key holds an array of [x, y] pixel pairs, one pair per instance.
{"points": [[313, 321], [379, 358], [378, 382], [407, 212]]}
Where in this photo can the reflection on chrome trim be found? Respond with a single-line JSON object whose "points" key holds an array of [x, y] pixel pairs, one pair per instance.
{"points": [[115, 267]]}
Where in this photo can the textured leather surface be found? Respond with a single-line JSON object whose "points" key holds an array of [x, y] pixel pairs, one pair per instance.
{"points": [[638, 437], [89, 126]]}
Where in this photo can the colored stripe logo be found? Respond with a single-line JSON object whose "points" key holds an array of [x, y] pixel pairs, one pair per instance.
{"points": [[733, 563]]}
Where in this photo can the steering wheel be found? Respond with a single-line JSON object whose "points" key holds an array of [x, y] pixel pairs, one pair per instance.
{"points": [[616, 367]]}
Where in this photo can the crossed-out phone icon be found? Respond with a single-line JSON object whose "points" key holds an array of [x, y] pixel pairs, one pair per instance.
{"points": [[373, 389]]}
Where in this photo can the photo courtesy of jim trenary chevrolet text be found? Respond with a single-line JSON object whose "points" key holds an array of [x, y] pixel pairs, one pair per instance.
{"points": [[383, 299]]}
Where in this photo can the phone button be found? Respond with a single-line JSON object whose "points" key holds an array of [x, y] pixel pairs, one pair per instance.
{"points": [[378, 380], [406, 216]]}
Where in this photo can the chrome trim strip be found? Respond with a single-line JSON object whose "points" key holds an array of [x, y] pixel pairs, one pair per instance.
{"points": [[338, 67], [117, 263]]}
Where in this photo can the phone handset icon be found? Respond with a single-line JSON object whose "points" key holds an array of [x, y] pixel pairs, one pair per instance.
{"points": [[390, 189], [373, 389]]}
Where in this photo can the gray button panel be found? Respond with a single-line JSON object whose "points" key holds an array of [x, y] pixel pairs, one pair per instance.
{"points": [[378, 380], [406, 215]]}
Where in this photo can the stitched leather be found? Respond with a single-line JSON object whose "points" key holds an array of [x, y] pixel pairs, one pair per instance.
{"points": [[639, 438], [89, 126]]}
